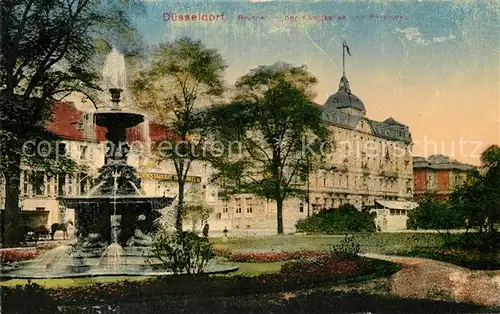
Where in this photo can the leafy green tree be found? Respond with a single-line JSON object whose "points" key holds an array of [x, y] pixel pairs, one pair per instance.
{"points": [[479, 198], [431, 214], [277, 128], [170, 87], [196, 211], [47, 53]]}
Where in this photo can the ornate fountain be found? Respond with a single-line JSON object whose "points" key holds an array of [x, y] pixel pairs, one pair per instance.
{"points": [[117, 200], [115, 221]]}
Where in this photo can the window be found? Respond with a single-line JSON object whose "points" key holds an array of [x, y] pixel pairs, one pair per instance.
{"points": [[25, 183], [83, 152], [218, 216], [238, 205], [61, 147], [248, 226], [91, 154], [224, 208], [50, 181], [301, 207], [61, 184], [39, 183], [83, 184], [249, 205], [70, 185]]}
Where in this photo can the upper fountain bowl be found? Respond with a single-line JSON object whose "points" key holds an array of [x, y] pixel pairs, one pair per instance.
{"points": [[124, 119]]}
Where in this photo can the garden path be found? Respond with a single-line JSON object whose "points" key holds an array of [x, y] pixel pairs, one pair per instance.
{"points": [[429, 279]]}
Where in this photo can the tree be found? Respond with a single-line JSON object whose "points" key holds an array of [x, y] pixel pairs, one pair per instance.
{"points": [[479, 198], [180, 74], [431, 214], [196, 210], [47, 53], [277, 128]]}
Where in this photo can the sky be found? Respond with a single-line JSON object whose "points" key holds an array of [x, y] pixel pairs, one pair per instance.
{"points": [[433, 66]]}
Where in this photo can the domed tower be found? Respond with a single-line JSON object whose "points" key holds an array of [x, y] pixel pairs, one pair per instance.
{"points": [[344, 100]]}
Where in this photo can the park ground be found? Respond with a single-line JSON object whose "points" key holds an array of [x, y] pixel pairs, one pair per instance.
{"points": [[420, 286]]}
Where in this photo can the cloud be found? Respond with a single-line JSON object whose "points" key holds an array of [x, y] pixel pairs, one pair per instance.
{"points": [[442, 39], [413, 34]]}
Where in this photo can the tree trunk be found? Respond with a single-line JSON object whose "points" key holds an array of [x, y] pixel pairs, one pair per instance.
{"points": [[180, 206], [279, 215], [11, 231]]}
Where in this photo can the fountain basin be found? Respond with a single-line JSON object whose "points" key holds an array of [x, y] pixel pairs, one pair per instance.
{"points": [[23, 271], [92, 215]]}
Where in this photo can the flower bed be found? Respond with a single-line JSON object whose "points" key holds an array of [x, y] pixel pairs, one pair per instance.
{"points": [[331, 265], [263, 257], [16, 255]]}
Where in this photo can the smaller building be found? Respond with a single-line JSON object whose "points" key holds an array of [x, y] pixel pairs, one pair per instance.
{"points": [[439, 175], [392, 215]]}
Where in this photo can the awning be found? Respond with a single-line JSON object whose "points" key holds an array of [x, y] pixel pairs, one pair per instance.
{"points": [[397, 204]]}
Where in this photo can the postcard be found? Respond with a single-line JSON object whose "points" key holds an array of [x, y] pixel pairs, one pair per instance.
{"points": [[260, 156]]}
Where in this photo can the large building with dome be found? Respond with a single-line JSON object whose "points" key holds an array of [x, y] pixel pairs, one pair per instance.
{"points": [[370, 167]]}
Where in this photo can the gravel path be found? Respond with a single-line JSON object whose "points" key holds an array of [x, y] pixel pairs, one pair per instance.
{"points": [[422, 278]]}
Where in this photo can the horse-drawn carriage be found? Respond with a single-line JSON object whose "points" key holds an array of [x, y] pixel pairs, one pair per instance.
{"points": [[34, 234]]}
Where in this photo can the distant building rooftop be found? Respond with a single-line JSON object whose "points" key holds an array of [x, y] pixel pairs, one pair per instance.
{"points": [[439, 161]]}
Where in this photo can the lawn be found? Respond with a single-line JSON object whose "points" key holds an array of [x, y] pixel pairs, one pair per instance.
{"points": [[370, 243]]}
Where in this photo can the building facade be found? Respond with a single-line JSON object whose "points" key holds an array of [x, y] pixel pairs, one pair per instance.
{"points": [[438, 174]]}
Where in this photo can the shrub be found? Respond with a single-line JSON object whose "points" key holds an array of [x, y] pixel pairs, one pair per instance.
{"points": [[477, 241], [30, 298], [349, 246], [182, 252], [344, 219]]}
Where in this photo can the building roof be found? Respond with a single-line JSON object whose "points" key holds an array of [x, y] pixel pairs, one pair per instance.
{"points": [[439, 161], [71, 124], [386, 129], [397, 204], [344, 98], [332, 113]]}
